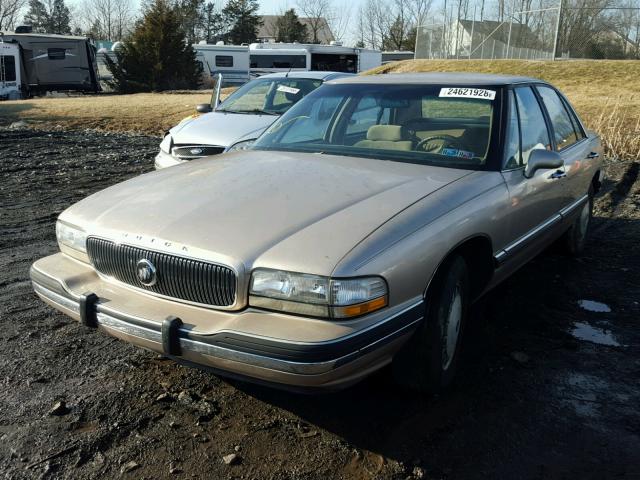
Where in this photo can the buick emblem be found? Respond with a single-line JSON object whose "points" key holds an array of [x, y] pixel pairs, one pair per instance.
{"points": [[146, 272], [196, 151]]}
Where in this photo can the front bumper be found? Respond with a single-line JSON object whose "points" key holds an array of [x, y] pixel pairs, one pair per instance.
{"points": [[340, 355]]}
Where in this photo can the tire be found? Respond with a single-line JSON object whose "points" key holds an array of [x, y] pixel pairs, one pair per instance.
{"points": [[575, 238], [429, 360]]}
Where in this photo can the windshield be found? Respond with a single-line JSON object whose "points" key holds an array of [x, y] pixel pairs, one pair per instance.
{"points": [[438, 125], [268, 96]]}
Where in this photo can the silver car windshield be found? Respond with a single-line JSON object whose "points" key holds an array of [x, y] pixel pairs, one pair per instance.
{"points": [[444, 125], [272, 96]]}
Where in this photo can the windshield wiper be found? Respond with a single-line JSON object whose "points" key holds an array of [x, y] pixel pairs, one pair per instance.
{"points": [[255, 110]]}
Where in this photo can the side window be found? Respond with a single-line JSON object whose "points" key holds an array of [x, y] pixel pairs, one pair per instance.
{"points": [[513, 158], [56, 53], [563, 130], [533, 127], [366, 115], [224, 61], [576, 122]]}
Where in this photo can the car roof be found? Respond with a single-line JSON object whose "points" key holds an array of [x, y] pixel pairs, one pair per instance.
{"points": [[307, 74], [438, 78]]}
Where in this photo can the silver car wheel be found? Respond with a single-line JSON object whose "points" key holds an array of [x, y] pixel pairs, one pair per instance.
{"points": [[585, 215], [452, 329]]}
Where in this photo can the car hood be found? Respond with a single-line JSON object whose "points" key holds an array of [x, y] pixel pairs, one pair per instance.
{"points": [[218, 128], [293, 211]]}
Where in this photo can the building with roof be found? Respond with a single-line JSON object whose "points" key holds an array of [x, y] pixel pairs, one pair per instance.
{"points": [[268, 32]]}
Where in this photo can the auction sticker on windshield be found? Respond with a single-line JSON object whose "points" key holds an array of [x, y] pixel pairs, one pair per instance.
{"points": [[468, 93], [285, 89]]}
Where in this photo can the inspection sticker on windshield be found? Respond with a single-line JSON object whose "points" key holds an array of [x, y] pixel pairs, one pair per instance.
{"points": [[454, 152], [285, 89], [468, 93]]}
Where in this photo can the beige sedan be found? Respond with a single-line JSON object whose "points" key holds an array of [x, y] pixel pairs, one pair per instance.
{"points": [[356, 232]]}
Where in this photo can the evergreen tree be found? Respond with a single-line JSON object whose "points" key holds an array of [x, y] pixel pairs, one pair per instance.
{"points": [[243, 20], [192, 13], [156, 56], [290, 29], [52, 17], [212, 24], [37, 16], [60, 18]]}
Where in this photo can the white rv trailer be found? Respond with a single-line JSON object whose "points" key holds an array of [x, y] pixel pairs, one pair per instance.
{"points": [[282, 57], [230, 60], [10, 71]]}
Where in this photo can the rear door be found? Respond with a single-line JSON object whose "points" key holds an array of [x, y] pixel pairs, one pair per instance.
{"points": [[533, 218], [573, 146]]}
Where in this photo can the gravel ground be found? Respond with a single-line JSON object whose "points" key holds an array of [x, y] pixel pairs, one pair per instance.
{"points": [[534, 400]]}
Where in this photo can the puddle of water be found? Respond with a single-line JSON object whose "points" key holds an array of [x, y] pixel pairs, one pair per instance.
{"points": [[588, 333], [592, 306]]}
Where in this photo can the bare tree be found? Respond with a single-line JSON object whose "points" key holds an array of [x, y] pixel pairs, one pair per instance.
{"points": [[108, 19], [316, 12], [391, 25], [10, 10]]}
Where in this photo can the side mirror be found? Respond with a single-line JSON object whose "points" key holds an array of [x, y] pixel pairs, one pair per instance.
{"points": [[203, 108], [542, 159]]}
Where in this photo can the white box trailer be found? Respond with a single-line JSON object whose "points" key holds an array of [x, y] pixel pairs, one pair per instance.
{"points": [[53, 62], [231, 61], [282, 57]]}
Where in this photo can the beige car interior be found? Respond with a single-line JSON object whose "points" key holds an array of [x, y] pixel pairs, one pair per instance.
{"points": [[386, 137]]}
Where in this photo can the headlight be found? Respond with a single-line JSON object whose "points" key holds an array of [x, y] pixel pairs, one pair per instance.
{"points": [[315, 295], [71, 237], [244, 145], [166, 143]]}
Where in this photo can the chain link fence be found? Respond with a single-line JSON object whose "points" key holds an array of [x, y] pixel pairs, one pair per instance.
{"points": [[563, 30]]}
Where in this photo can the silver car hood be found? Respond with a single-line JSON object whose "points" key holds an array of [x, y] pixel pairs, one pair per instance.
{"points": [[293, 211], [218, 128]]}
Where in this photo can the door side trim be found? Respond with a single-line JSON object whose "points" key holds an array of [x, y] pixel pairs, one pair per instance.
{"points": [[521, 242], [501, 256]]}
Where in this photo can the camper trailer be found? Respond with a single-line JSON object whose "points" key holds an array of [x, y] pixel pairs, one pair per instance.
{"points": [[46, 63], [283, 57], [229, 60]]}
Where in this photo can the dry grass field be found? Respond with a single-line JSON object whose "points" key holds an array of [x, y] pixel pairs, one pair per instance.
{"points": [[605, 93], [149, 113]]}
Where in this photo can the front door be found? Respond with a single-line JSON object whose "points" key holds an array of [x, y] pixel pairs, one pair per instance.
{"points": [[533, 214]]}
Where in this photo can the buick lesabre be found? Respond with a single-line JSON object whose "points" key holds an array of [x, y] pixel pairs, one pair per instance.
{"points": [[355, 233]]}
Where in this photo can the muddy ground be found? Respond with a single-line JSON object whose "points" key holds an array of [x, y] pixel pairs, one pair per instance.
{"points": [[534, 401]]}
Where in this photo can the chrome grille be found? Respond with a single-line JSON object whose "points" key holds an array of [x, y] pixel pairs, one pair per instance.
{"points": [[177, 277], [191, 152]]}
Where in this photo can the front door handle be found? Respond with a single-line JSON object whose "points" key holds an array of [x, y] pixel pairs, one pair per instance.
{"points": [[558, 174], [593, 155]]}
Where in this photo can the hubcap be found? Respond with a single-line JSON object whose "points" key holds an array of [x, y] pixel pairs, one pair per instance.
{"points": [[452, 329], [584, 219]]}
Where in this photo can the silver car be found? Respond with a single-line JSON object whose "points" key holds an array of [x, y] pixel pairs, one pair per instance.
{"points": [[240, 119], [356, 232]]}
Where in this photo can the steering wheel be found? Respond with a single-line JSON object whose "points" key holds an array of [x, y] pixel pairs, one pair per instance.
{"points": [[436, 143]]}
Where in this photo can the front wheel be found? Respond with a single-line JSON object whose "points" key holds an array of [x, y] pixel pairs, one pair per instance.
{"points": [[576, 236], [429, 360]]}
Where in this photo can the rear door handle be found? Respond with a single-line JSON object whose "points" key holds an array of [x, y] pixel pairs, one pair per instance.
{"points": [[558, 174], [593, 155]]}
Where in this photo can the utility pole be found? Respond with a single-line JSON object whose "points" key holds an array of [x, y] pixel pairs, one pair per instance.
{"points": [[557, 35]]}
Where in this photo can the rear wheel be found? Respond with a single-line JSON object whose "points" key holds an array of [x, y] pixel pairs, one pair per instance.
{"points": [[429, 360], [576, 236]]}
